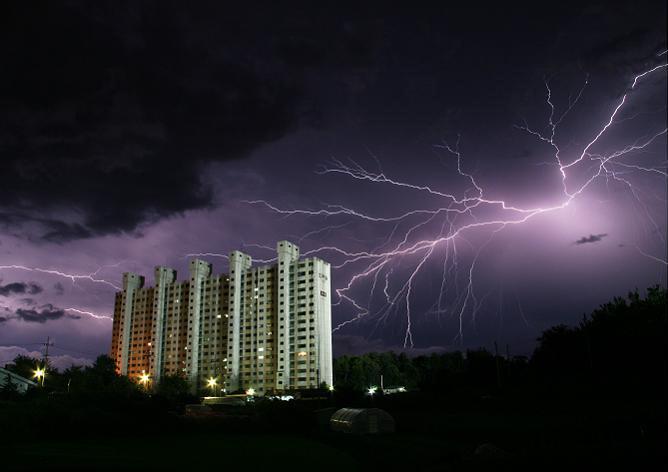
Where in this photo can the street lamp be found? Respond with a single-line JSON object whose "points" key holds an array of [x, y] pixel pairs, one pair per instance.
{"points": [[250, 392], [211, 383], [144, 378], [372, 390], [39, 374]]}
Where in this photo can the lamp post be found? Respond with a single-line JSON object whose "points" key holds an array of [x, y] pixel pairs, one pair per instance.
{"points": [[144, 378], [39, 374], [212, 383]]}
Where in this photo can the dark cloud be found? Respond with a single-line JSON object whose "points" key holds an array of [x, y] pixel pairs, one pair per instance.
{"points": [[58, 288], [622, 49], [58, 232], [2, 319], [54, 230], [19, 288], [592, 238], [114, 112], [42, 315]]}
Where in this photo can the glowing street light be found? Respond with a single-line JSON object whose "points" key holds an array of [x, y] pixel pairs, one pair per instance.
{"points": [[372, 390], [211, 383], [39, 374], [330, 388], [250, 392], [144, 378]]}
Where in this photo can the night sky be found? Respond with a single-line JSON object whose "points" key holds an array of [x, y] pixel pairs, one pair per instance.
{"points": [[135, 133]]}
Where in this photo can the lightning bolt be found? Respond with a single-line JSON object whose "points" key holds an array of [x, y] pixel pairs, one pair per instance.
{"points": [[462, 214], [206, 254], [72, 277], [88, 313]]}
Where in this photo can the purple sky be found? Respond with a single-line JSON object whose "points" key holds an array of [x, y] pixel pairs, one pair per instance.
{"points": [[138, 136]]}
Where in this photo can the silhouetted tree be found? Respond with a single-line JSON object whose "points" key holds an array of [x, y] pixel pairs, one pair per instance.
{"points": [[99, 378], [617, 352], [24, 366], [173, 386]]}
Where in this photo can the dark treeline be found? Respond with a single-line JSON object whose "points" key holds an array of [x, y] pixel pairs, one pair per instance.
{"points": [[618, 351], [100, 381]]}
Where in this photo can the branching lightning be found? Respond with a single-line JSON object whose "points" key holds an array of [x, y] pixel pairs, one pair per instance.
{"points": [[462, 214], [88, 313], [390, 269], [74, 278]]}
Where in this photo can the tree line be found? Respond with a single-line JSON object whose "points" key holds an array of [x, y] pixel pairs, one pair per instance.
{"points": [[619, 350], [99, 379]]}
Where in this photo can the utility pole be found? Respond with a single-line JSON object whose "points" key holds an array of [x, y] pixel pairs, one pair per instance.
{"points": [[45, 358], [585, 330], [46, 350], [508, 364], [496, 360]]}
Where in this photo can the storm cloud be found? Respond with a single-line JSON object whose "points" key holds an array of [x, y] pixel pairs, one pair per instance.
{"points": [[41, 315], [131, 131], [20, 288], [114, 112], [592, 238]]}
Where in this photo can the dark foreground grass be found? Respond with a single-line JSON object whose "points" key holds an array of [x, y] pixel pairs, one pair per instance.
{"points": [[434, 433], [179, 452], [523, 444]]}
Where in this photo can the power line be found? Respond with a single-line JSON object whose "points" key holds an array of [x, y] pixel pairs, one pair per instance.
{"points": [[78, 352]]}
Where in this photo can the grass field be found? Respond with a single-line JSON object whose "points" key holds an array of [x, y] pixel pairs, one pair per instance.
{"points": [[426, 443]]}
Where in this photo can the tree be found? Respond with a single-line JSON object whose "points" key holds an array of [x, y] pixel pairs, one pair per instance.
{"points": [[619, 351], [24, 366], [99, 378], [173, 386]]}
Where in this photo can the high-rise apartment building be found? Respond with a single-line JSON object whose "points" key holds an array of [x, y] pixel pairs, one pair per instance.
{"points": [[267, 328]]}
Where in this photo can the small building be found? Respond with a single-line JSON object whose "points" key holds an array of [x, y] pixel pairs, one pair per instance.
{"points": [[22, 384], [362, 421]]}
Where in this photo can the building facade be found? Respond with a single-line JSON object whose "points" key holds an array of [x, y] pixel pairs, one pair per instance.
{"points": [[266, 328]]}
